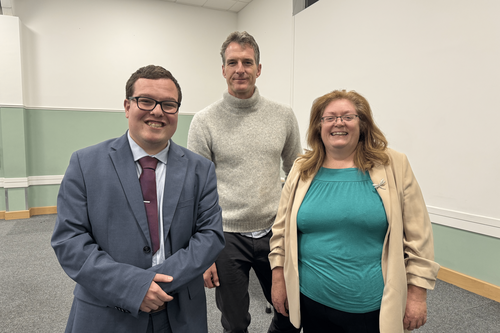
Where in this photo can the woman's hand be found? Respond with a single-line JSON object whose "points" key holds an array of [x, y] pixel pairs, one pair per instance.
{"points": [[278, 292], [416, 308]]}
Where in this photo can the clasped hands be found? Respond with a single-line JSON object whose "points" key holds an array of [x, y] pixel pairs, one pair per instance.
{"points": [[156, 297]]}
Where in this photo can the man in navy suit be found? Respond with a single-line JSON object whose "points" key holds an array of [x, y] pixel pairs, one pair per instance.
{"points": [[102, 237]]}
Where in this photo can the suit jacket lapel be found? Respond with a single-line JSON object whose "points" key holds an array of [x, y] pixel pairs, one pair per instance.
{"points": [[123, 161], [174, 183]]}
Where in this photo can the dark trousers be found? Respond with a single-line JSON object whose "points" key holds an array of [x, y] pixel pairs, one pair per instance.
{"points": [[318, 318], [158, 323], [233, 267]]}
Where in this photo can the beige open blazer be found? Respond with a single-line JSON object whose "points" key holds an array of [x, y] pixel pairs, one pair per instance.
{"points": [[408, 252]]}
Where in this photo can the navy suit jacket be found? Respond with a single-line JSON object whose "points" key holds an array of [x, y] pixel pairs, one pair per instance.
{"points": [[101, 238]]}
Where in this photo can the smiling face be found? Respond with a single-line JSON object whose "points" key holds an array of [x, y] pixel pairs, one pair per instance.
{"points": [[151, 130], [240, 70], [340, 136]]}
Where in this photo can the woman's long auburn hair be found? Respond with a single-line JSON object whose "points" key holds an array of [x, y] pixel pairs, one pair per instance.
{"points": [[372, 144]]}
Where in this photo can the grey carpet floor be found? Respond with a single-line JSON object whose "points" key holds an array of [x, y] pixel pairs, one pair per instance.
{"points": [[36, 294]]}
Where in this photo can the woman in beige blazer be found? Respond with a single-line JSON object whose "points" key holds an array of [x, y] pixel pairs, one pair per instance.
{"points": [[391, 297]]}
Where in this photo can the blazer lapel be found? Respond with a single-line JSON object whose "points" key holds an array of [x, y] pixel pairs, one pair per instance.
{"points": [[384, 183], [174, 183], [381, 182], [123, 161]]}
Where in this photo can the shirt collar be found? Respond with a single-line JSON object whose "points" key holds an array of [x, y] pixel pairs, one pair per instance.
{"points": [[139, 153]]}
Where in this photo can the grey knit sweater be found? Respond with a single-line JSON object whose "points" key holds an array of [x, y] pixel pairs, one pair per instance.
{"points": [[245, 139]]}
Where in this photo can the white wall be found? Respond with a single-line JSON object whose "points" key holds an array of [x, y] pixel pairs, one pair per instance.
{"points": [[79, 54], [430, 72], [270, 22], [11, 92]]}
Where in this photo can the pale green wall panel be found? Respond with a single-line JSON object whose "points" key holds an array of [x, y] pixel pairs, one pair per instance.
{"points": [[1, 153], [468, 253], [52, 136], [2, 199], [13, 142], [43, 195], [180, 136], [17, 199]]}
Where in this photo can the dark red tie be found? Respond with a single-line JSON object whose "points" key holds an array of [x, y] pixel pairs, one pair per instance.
{"points": [[148, 186]]}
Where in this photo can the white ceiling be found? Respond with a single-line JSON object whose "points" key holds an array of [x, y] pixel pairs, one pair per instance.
{"points": [[6, 7], [224, 5]]}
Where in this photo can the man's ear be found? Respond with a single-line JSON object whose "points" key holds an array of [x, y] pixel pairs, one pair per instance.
{"points": [[224, 71], [126, 106], [259, 70]]}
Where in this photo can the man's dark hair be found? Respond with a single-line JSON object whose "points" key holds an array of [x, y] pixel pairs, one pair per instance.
{"points": [[151, 72]]}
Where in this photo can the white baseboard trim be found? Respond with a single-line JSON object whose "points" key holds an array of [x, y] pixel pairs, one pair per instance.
{"points": [[23, 182], [45, 180], [19, 182]]}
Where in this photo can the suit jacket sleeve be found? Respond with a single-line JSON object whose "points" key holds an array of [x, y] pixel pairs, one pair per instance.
{"points": [[78, 243]]}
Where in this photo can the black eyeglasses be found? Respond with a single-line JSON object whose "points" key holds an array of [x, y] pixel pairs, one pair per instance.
{"points": [[148, 104]]}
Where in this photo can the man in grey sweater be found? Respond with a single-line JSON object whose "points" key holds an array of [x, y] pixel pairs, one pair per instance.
{"points": [[246, 136]]}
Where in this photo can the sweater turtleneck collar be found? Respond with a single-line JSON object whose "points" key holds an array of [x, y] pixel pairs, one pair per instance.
{"points": [[238, 103]]}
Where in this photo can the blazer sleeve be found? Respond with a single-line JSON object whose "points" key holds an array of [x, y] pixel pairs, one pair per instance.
{"points": [[421, 270], [111, 283]]}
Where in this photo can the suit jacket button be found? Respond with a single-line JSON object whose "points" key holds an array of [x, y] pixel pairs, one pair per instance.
{"points": [[146, 249]]}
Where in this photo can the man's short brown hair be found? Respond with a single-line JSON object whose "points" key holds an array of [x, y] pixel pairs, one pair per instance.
{"points": [[151, 72]]}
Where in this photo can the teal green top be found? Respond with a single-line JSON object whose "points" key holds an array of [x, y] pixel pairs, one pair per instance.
{"points": [[341, 230]]}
